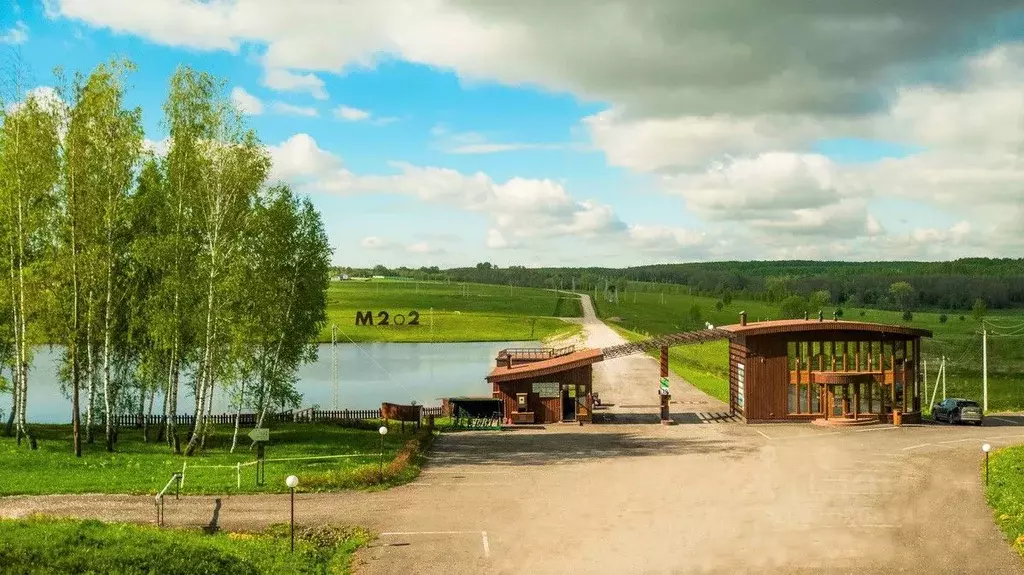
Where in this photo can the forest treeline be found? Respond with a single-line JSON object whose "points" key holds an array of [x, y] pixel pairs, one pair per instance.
{"points": [[153, 272], [954, 285]]}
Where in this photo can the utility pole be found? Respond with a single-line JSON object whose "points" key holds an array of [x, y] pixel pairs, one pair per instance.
{"points": [[943, 378], [984, 370], [925, 362]]}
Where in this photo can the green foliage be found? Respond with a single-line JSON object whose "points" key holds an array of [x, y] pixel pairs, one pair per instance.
{"points": [[143, 468], [839, 312], [908, 316], [695, 313], [74, 546], [979, 309], [943, 318], [1005, 492], [821, 300], [719, 305], [793, 307], [902, 294]]}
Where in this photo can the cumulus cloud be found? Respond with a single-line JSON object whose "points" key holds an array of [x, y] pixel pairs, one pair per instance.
{"points": [[350, 114], [246, 102], [300, 159], [287, 81], [291, 110], [18, 34]]}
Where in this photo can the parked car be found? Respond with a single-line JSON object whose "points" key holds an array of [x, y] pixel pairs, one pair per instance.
{"points": [[957, 410]]}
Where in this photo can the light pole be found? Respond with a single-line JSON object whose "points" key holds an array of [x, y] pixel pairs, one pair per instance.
{"points": [[383, 431], [292, 482], [986, 448]]}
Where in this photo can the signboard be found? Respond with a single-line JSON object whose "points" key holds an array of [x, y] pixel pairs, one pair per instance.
{"points": [[740, 384], [664, 382], [546, 389], [572, 391], [260, 434], [397, 412], [386, 318]]}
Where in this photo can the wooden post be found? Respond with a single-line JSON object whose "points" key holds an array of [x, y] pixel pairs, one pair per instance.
{"points": [[846, 353], [917, 374], [903, 377], [664, 361], [857, 352], [833, 352], [821, 356], [856, 401]]}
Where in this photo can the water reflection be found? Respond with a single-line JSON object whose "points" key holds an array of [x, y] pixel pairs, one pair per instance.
{"points": [[367, 374]]}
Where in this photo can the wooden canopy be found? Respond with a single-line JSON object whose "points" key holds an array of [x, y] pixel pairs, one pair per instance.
{"points": [[546, 366]]}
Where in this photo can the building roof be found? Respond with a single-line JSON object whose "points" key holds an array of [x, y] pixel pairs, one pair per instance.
{"points": [[545, 367], [808, 325]]}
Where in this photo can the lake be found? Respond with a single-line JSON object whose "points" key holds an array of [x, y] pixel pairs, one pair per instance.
{"points": [[368, 374]]}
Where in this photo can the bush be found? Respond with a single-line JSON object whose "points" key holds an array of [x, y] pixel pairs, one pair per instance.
{"points": [[839, 312], [963, 318], [943, 318], [907, 316], [402, 469], [719, 305], [863, 313]]}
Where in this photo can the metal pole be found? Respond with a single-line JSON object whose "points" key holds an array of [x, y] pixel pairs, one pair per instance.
{"points": [[334, 366], [984, 371], [381, 469], [986, 468], [943, 378], [293, 520], [925, 362]]}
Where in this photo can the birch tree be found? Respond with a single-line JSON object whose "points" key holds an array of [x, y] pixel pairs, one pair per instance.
{"points": [[29, 172]]}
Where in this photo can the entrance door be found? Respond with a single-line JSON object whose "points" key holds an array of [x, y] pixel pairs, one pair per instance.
{"points": [[569, 402], [835, 407]]}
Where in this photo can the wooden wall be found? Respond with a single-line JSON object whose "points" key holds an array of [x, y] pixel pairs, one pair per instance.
{"points": [[737, 355], [546, 410]]}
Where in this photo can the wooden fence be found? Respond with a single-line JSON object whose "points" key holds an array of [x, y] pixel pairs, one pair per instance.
{"points": [[249, 419]]}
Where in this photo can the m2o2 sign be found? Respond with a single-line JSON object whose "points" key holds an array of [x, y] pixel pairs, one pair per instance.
{"points": [[386, 318]]}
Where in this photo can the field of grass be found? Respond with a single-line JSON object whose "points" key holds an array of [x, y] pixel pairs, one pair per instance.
{"points": [[447, 312], [1005, 492], [655, 312], [144, 468], [43, 545]]}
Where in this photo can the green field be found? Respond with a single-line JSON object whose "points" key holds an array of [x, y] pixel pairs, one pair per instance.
{"points": [[645, 309], [1005, 492], [447, 312], [144, 468], [43, 545]]}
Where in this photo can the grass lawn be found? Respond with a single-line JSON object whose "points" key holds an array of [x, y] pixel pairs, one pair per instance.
{"points": [[1005, 492], [647, 309], [43, 545], [447, 312], [144, 468]]}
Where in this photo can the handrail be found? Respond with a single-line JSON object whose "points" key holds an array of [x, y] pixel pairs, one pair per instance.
{"points": [[159, 499]]}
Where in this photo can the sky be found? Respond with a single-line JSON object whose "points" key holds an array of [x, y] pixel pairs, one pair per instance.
{"points": [[600, 132]]}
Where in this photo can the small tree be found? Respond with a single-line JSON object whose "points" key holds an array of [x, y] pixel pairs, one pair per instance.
{"points": [[727, 297], [963, 318], [980, 309], [719, 305], [695, 313], [907, 316], [793, 307], [839, 312], [821, 299], [902, 294], [943, 318]]}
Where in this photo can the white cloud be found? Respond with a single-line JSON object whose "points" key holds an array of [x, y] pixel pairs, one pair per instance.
{"points": [[496, 240], [157, 147], [423, 248], [351, 114], [290, 110], [246, 102], [18, 34], [287, 81], [374, 243], [299, 158]]}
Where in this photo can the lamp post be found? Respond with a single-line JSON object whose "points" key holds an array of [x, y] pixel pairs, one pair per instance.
{"points": [[292, 482], [986, 448], [383, 431]]}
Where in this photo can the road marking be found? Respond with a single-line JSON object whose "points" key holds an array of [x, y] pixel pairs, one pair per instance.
{"points": [[428, 532], [856, 480], [809, 435], [960, 440], [763, 434], [915, 446], [1006, 420], [874, 429], [487, 547], [451, 483], [462, 472]]}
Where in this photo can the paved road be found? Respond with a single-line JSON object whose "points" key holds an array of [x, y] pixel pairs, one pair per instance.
{"points": [[698, 497]]}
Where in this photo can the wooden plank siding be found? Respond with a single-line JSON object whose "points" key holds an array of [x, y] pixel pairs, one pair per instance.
{"points": [[546, 410]]}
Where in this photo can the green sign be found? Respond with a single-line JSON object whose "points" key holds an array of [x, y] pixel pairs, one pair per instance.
{"points": [[664, 382]]}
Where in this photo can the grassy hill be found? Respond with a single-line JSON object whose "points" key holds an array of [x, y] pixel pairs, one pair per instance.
{"points": [[647, 312], [447, 312]]}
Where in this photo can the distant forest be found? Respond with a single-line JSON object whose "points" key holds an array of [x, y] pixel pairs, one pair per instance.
{"points": [[952, 285]]}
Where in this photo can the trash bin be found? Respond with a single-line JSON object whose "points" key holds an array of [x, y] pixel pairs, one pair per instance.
{"points": [[897, 418]]}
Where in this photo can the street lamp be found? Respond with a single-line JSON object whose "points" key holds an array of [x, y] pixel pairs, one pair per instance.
{"points": [[986, 448], [383, 431], [292, 482]]}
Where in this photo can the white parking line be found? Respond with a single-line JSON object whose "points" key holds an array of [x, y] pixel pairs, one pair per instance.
{"points": [[462, 472], [487, 547], [483, 536], [875, 429], [453, 483], [762, 434], [915, 446], [962, 440]]}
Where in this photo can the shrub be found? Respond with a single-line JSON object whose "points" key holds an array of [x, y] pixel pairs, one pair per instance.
{"points": [[907, 316], [943, 318], [719, 305]]}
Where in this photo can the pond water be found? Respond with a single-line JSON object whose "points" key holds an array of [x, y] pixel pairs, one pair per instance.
{"points": [[367, 375]]}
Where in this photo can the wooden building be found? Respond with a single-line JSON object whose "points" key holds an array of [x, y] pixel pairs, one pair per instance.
{"points": [[545, 385], [843, 371]]}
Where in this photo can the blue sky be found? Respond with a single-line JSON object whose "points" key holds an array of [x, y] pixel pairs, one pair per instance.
{"points": [[474, 135]]}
